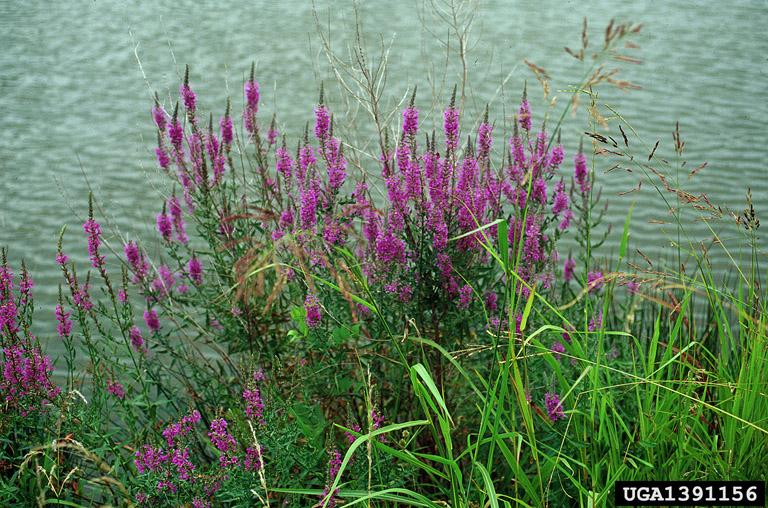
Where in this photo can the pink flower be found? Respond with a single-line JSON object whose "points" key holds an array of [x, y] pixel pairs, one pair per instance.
{"points": [[410, 122], [115, 388]]}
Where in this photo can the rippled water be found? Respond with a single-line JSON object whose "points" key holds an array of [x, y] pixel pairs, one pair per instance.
{"points": [[75, 104]]}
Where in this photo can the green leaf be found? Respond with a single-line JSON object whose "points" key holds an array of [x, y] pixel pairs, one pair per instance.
{"points": [[421, 371], [504, 244], [625, 235], [490, 491], [340, 335], [527, 311]]}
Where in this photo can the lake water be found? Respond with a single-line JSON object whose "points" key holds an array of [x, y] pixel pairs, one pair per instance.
{"points": [[76, 108]]}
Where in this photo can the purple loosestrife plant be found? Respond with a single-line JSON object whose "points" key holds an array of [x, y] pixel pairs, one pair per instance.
{"points": [[8, 310], [581, 173], [254, 406], [26, 385], [568, 267], [322, 119]]}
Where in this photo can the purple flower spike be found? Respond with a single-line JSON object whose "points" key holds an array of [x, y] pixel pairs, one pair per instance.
{"points": [[195, 271], [137, 341], [524, 116], [115, 388], [226, 129], [568, 268], [557, 348], [153, 323], [410, 122], [554, 409], [334, 466], [251, 90], [159, 116], [312, 305], [224, 442], [451, 128], [174, 208], [484, 140], [189, 96], [595, 281], [322, 122], [91, 228], [252, 95], [165, 226], [137, 261], [561, 199], [163, 160], [254, 405], [581, 173], [65, 324], [465, 297], [556, 156], [176, 133]]}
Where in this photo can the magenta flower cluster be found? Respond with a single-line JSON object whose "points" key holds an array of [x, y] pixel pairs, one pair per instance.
{"points": [[172, 467], [375, 422], [312, 306], [26, 385], [554, 407], [254, 406], [92, 229], [333, 468], [417, 243]]}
